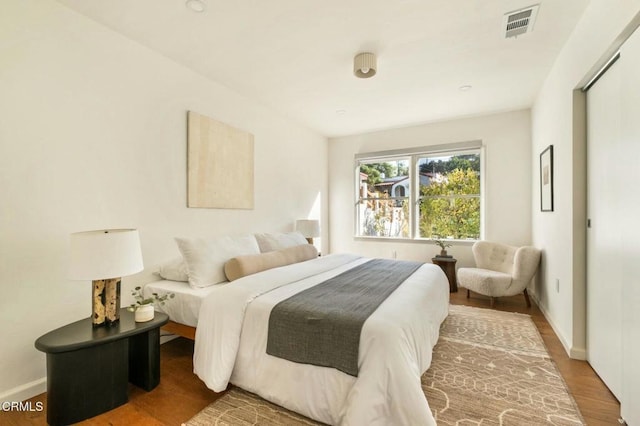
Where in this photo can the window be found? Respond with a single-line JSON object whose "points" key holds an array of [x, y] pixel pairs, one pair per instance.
{"points": [[422, 193], [383, 207]]}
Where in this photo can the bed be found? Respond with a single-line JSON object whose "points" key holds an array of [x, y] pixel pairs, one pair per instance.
{"points": [[395, 344], [185, 306]]}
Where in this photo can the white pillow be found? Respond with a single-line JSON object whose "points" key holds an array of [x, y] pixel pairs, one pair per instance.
{"points": [[205, 257], [279, 240], [174, 270]]}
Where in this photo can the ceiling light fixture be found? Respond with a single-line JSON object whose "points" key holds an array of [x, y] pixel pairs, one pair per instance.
{"points": [[364, 65], [465, 88], [196, 5]]}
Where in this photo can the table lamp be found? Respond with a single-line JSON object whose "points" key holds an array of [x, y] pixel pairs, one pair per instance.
{"points": [[309, 228], [104, 257]]}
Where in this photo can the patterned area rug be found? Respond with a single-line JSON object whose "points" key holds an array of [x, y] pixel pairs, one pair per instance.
{"points": [[489, 368]]}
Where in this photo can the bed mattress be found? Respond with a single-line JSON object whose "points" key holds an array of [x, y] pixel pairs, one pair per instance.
{"points": [[184, 307]]}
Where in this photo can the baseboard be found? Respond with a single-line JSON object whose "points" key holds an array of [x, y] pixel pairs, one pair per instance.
{"points": [[578, 353], [572, 352], [26, 391], [167, 338]]}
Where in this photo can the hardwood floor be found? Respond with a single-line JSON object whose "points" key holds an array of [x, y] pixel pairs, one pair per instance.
{"points": [[181, 394]]}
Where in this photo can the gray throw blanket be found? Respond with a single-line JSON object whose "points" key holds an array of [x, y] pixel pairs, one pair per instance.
{"points": [[321, 325]]}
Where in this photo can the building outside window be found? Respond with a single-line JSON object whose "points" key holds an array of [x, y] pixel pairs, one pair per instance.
{"points": [[421, 193]]}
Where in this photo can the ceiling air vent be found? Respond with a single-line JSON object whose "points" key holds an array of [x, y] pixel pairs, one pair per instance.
{"points": [[520, 21]]}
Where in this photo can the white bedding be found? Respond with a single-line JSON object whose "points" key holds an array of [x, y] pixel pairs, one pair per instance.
{"points": [[395, 346], [185, 305]]}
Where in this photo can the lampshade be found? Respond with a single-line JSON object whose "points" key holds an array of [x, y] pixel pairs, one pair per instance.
{"points": [[364, 65], [103, 254], [308, 228]]}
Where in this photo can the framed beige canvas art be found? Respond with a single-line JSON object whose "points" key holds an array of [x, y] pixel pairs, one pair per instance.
{"points": [[219, 164]]}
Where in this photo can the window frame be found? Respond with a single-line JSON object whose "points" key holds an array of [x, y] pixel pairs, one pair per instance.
{"points": [[413, 155]]}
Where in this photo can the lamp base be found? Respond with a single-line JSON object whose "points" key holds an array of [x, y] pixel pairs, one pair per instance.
{"points": [[106, 302]]}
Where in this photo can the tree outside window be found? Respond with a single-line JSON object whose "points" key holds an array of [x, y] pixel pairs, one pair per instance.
{"points": [[449, 206]]}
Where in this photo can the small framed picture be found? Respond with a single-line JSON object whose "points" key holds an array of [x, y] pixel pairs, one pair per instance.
{"points": [[546, 179]]}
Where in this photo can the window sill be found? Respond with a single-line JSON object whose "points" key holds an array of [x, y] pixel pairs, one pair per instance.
{"points": [[413, 240]]}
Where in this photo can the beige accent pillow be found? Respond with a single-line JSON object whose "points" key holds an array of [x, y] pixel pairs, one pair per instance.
{"points": [[241, 266]]}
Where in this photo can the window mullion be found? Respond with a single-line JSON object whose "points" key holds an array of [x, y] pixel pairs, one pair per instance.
{"points": [[413, 197]]}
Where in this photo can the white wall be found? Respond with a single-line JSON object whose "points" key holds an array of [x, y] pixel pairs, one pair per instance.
{"points": [[557, 118], [507, 197], [93, 135]]}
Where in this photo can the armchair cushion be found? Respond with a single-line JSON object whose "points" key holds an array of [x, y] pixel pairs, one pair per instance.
{"points": [[494, 256], [484, 281]]}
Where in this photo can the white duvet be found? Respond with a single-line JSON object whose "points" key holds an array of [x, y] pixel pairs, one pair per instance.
{"points": [[395, 346]]}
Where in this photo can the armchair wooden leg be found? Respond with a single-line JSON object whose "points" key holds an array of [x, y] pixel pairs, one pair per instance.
{"points": [[468, 293], [493, 301], [526, 297]]}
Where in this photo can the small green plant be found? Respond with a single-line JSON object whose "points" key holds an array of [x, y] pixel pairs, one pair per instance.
{"points": [[141, 300], [443, 244]]}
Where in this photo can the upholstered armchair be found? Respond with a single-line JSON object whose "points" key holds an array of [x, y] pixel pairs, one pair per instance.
{"points": [[501, 270]]}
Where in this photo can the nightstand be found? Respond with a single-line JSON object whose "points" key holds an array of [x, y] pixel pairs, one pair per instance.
{"points": [[448, 265], [88, 368]]}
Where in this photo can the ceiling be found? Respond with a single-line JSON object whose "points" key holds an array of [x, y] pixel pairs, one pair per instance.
{"points": [[296, 56]]}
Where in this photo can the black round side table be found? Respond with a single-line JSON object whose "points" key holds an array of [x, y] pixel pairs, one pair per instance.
{"points": [[88, 368]]}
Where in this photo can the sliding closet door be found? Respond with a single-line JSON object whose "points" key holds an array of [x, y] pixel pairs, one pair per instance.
{"points": [[605, 198], [613, 240], [630, 223]]}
